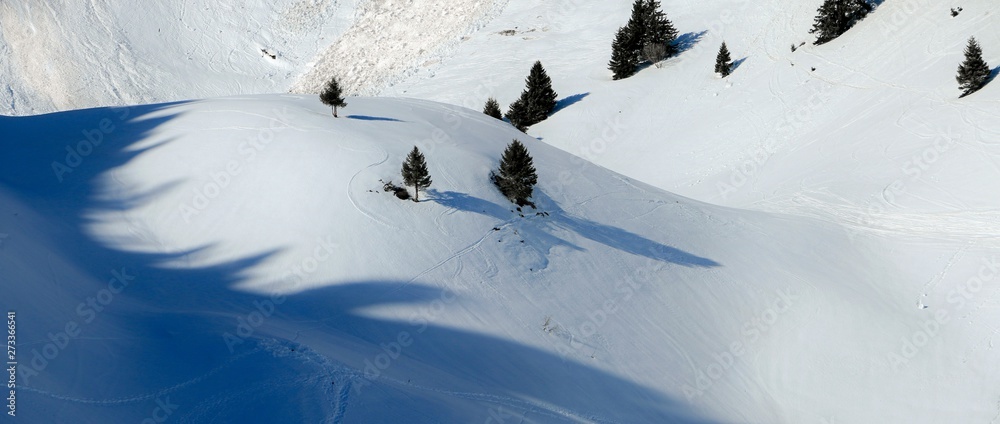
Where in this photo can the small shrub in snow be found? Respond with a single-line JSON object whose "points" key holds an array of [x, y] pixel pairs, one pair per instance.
{"points": [[400, 192], [654, 53]]}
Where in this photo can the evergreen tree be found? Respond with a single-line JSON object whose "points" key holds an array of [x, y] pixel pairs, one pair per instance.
{"points": [[332, 96], [516, 177], [415, 172], [636, 27], [623, 61], [723, 62], [974, 72], [826, 24], [517, 115], [658, 30], [648, 35], [493, 108], [537, 101], [835, 17]]}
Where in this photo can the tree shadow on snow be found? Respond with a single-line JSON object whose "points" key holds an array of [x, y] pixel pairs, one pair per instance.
{"points": [[546, 230], [687, 41], [569, 101], [993, 75], [185, 336], [738, 63], [372, 118]]}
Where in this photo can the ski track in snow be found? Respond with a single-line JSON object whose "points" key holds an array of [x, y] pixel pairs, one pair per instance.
{"points": [[393, 39], [357, 205]]}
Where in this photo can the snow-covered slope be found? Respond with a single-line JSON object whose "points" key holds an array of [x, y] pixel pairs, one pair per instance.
{"points": [[60, 55], [870, 123], [238, 259], [830, 255]]}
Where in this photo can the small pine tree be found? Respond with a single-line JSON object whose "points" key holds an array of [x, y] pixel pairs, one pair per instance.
{"points": [[415, 172], [516, 177], [332, 96], [537, 101], [974, 72], [723, 62], [623, 61], [835, 17], [493, 108]]}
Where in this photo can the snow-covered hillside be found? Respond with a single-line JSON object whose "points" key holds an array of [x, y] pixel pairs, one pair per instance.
{"points": [[870, 123], [237, 258], [65, 54], [811, 240]]}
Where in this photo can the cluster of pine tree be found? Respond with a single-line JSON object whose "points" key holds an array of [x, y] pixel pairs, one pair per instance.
{"points": [[537, 101], [515, 178], [649, 36], [835, 17]]}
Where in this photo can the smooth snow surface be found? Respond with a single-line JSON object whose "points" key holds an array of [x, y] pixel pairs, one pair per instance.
{"points": [[786, 245]]}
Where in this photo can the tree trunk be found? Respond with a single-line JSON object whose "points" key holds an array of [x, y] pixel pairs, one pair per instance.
{"points": [[335, 112], [416, 193]]}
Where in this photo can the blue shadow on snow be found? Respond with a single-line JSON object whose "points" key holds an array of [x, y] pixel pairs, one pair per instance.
{"points": [[372, 118], [169, 324]]}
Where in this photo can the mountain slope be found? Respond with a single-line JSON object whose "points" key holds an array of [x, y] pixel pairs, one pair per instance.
{"points": [[68, 55], [776, 135], [235, 259], [297, 279]]}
